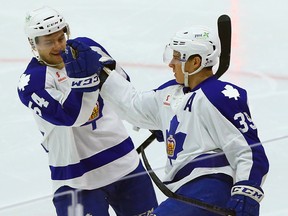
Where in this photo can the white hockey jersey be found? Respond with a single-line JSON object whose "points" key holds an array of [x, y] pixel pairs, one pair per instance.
{"points": [[207, 130], [87, 144]]}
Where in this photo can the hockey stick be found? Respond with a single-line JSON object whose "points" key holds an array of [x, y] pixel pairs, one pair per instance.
{"points": [[224, 32], [147, 142], [198, 203]]}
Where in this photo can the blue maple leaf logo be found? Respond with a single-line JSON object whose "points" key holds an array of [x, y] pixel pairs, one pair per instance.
{"points": [[175, 141]]}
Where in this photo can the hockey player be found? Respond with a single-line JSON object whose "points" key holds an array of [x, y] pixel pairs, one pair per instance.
{"points": [[88, 147], [213, 150]]}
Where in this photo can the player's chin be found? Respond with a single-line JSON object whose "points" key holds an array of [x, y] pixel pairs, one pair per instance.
{"points": [[57, 59], [179, 81]]}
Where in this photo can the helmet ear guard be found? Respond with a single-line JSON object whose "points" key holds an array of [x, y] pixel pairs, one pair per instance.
{"points": [[32, 44]]}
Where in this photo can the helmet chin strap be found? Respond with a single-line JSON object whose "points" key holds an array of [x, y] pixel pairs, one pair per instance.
{"points": [[187, 74], [186, 80], [51, 65]]}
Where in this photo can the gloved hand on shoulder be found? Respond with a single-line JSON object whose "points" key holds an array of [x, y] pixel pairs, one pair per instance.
{"points": [[108, 65], [158, 134], [108, 62], [245, 198], [82, 66]]}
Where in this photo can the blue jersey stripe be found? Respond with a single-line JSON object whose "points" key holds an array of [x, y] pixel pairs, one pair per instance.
{"points": [[207, 160], [93, 162]]}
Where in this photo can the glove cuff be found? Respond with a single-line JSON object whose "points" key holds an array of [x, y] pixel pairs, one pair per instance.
{"points": [[252, 192], [85, 82]]}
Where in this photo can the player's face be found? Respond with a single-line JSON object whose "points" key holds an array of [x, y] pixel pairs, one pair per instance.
{"points": [[50, 46], [176, 65]]}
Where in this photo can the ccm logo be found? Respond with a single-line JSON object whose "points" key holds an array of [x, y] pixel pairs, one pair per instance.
{"points": [[252, 192], [85, 82]]}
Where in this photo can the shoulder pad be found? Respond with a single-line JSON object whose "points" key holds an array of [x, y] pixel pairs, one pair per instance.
{"points": [[32, 79]]}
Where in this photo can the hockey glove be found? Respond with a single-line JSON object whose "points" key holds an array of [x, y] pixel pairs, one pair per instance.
{"points": [[158, 134], [108, 62], [108, 65], [245, 199], [82, 66]]}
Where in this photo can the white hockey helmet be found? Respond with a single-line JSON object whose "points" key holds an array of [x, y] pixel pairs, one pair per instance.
{"points": [[43, 21], [195, 40], [200, 41]]}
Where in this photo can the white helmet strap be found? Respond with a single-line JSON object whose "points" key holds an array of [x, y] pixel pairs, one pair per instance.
{"points": [[186, 80], [187, 74]]}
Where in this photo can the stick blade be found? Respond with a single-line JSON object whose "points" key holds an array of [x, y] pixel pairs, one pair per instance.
{"points": [[224, 32]]}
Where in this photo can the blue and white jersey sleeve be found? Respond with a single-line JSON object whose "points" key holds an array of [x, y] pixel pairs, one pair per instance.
{"points": [[228, 119], [59, 107], [140, 109]]}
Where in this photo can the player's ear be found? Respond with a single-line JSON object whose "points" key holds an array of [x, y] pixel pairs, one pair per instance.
{"points": [[197, 61], [194, 62]]}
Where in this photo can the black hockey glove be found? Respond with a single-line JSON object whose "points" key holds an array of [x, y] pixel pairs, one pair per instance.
{"points": [[108, 62], [158, 134], [108, 65]]}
